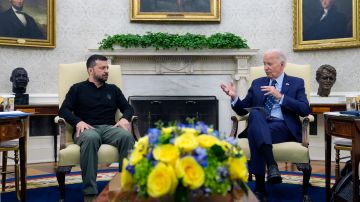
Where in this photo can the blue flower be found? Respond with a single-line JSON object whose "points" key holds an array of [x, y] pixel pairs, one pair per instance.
{"points": [[154, 131], [181, 125], [231, 140], [150, 155], [202, 127], [222, 172], [207, 191], [130, 169], [201, 156], [154, 135], [216, 134]]}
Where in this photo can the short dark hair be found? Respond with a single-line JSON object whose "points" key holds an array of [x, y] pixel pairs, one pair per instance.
{"points": [[91, 61]]}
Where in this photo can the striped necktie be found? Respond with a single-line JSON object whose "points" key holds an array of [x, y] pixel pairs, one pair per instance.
{"points": [[270, 100]]}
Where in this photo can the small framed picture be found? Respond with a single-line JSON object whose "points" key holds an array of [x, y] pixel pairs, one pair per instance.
{"points": [[27, 23], [175, 10], [326, 24]]}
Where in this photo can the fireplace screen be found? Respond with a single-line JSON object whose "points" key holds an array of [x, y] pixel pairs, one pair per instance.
{"points": [[168, 109]]}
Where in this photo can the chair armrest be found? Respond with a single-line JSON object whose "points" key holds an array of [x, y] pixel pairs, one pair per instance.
{"points": [[304, 120], [305, 129], [57, 119], [135, 128], [310, 117], [61, 130]]}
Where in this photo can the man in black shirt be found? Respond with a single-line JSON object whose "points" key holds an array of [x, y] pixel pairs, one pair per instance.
{"points": [[90, 107]]}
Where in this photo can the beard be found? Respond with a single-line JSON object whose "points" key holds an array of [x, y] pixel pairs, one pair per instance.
{"points": [[101, 78]]}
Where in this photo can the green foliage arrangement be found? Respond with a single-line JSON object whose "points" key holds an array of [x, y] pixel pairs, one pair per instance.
{"points": [[161, 40]]}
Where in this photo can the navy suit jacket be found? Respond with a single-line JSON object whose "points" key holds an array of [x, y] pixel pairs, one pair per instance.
{"points": [[11, 26], [294, 104]]}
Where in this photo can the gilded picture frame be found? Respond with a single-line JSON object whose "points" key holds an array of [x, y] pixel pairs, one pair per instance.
{"points": [[175, 10], [29, 23], [336, 26]]}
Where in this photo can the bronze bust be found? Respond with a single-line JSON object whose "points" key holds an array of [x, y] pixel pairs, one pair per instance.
{"points": [[19, 78], [326, 77]]}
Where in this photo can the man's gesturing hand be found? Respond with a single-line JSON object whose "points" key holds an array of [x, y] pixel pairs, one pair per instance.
{"points": [[229, 89], [271, 90], [81, 126]]}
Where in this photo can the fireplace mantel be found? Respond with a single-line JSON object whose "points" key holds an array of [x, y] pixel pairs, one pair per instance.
{"points": [[128, 52], [148, 61]]}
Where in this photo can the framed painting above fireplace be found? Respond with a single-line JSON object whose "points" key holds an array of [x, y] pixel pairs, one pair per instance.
{"points": [[175, 10]]}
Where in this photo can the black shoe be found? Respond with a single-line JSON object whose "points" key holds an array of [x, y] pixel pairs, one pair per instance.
{"points": [[260, 196], [273, 175]]}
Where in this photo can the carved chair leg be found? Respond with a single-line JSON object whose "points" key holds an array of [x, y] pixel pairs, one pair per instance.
{"points": [[60, 175], [337, 164], [306, 169], [17, 174], [3, 171]]}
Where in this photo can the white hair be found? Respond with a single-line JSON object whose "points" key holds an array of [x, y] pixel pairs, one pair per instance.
{"points": [[279, 54]]}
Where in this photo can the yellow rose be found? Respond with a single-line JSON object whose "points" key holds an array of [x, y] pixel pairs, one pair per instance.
{"points": [[225, 145], [135, 157], [126, 177], [207, 141], [238, 169], [186, 142], [166, 153], [161, 180], [192, 173], [142, 145], [167, 131], [174, 179], [190, 130]]}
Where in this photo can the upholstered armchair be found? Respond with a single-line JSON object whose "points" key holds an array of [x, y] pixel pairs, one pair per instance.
{"points": [[292, 152], [69, 154]]}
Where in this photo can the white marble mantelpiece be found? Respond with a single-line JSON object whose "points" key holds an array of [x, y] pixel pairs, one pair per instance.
{"points": [[149, 61]]}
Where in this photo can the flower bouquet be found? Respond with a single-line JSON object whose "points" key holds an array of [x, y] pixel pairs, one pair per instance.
{"points": [[182, 162]]}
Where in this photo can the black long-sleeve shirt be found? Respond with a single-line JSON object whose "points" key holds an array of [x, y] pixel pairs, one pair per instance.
{"points": [[93, 105]]}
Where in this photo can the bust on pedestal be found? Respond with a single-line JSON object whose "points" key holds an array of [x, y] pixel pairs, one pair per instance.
{"points": [[20, 79], [326, 77]]}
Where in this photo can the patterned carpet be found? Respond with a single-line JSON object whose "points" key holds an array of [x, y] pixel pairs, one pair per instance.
{"points": [[49, 180]]}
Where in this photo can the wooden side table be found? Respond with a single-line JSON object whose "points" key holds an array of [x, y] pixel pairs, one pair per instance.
{"points": [[337, 125], [16, 128], [327, 107], [42, 110], [317, 109]]}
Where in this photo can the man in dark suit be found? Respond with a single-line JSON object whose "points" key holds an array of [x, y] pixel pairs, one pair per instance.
{"points": [[16, 23], [329, 24], [280, 99]]}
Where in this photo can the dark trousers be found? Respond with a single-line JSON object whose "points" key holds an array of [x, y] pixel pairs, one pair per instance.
{"points": [[262, 130]]}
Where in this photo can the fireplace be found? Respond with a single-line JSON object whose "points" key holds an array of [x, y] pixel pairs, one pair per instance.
{"points": [[148, 72], [168, 109]]}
